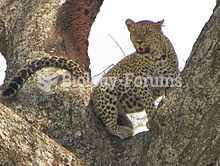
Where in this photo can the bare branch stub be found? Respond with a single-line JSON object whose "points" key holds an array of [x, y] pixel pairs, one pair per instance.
{"points": [[74, 21]]}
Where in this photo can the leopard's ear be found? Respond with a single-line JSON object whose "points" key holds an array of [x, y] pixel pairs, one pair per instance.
{"points": [[160, 23], [129, 23]]}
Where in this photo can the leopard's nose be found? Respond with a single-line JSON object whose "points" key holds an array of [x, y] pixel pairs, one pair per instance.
{"points": [[139, 42]]}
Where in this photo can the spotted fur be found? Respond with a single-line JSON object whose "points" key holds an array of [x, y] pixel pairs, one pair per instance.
{"points": [[117, 93], [16, 83]]}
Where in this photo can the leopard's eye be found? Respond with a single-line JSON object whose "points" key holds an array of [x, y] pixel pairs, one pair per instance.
{"points": [[149, 31], [144, 31]]}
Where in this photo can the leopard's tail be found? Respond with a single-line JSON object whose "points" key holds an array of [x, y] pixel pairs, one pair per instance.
{"points": [[16, 83]]}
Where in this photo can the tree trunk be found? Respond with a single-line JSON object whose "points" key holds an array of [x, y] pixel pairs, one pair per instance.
{"points": [[189, 117]]}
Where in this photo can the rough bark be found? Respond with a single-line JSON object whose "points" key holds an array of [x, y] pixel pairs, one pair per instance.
{"points": [[23, 144], [189, 118], [74, 24]]}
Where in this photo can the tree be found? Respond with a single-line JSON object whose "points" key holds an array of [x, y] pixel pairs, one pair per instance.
{"points": [[189, 118]]}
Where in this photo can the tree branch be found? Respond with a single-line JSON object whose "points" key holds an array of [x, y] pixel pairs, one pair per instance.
{"points": [[21, 143], [189, 118]]}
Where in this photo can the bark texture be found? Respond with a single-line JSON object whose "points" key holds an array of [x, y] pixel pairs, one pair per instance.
{"points": [[74, 24], [22, 144], [189, 129]]}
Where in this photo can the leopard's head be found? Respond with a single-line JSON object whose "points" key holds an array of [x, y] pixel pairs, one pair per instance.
{"points": [[145, 34]]}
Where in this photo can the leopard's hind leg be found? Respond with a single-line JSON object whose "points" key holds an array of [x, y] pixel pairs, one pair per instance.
{"points": [[105, 106]]}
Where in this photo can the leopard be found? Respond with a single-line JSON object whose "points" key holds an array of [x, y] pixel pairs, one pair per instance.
{"points": [[127, 87]]}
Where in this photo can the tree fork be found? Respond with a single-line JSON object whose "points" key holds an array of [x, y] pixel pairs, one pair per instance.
{"points": [[189, 117]]}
